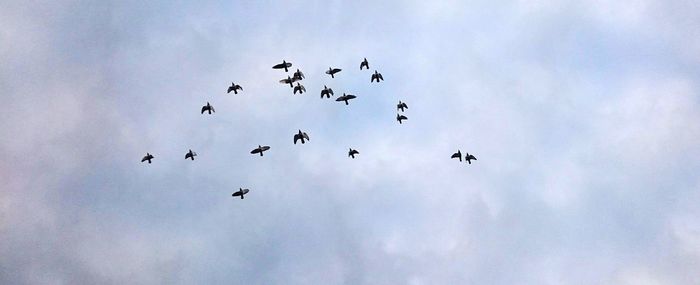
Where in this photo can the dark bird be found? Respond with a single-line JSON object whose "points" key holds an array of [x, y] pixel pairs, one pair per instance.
{"points": [[289, 81], [333, 71], [326, 91], [260, 150], [352, 153], [191, 154], [147, 157], [468, 157], [299, 88], [345, 98], [208, 108], [234, 87], [377, 76], [301, 136], [284, 65], [299, 75], [401, 106], [457, 154], [240, 192], [400, 118], [364, 63]]}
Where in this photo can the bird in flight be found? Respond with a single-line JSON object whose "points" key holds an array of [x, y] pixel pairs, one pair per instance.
{"points": [[209, 108], [240, 192], [457, 154], [333, 71], [346, 98], [191, 154], [301, 136], [377, 76], [326, 91], [234, 87], [352, 153], [364, 63], [468, 157], [289, 81], [401, 106], [298, 75], [400, 118], [148, 158], [299, 88], [284, 64], [260, 150]]}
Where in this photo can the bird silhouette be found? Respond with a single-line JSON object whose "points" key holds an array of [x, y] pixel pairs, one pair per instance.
{"points": [[333, 71], [240, 192], [364, 63], [234, 87], [346, 98], [299, 88], [284, 65], [468, 157], [326, 91], [377, 76], [352, 153], [301, 136], [147, 157], [289, 81], [401, 106], [260, 150], [457, 154], [400, 118], [191, 154], [208, 108], [298, 75]]}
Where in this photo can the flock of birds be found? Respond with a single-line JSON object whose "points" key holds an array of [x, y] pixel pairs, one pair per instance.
{"points": [[303, 136]]}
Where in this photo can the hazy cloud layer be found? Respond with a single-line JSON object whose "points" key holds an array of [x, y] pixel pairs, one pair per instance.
{"points": [[584, 118]]}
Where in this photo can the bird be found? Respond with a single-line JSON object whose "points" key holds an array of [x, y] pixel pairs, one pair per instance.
{"points": [[191, 154], [298, 75], [289, 81], [240, 192], [352, 153], [346, 98], [326, 91], [401, 106], [400, 118], [377, 76], [208, 108], [284, 65], [468, 157], [364, 63], [333, 71], [301, 136], [299, 88], [457, 154], [234, 87], [260, 150], [147, 157]]}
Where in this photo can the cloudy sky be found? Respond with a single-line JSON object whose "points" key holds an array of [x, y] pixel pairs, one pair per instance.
{"points": [[585, 119]]}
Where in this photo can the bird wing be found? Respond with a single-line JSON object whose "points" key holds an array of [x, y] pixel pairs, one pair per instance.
{"points": [[144, 158], [328, 71], [245, 191], [237, 193], [296, 138], [374, 76], [278, 66], [305, 136], [341, 98], [330, 91], [349, 96], [380, 76], [230, 88], [285, 81], [303, 88], [187, 155], [456, 155], [471, 156], [255, 151], [239, 87], [204, 108], [403, 117], [336, 70], [264, 148]]}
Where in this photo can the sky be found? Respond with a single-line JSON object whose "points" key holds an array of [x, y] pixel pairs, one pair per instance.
{"points": [[584, 117]]}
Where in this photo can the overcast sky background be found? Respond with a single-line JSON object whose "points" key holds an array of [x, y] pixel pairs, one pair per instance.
{"points": [[585, 119]]}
